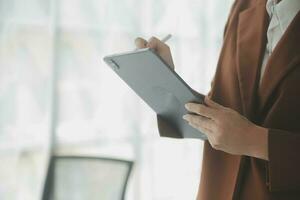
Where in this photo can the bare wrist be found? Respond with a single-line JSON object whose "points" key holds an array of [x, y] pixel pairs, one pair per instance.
{"points": [[259, 149]]}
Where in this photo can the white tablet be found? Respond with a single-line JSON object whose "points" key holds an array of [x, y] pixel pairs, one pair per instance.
{"points": [[160, 87]]}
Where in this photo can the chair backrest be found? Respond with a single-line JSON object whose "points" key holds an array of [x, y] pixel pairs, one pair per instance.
{"points": [[81, 178]]}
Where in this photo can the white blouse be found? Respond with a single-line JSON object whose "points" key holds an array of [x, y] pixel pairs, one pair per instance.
{"points": [[281, 15]]}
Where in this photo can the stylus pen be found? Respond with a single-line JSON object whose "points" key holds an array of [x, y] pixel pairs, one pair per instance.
{"points": [[166, 38]]}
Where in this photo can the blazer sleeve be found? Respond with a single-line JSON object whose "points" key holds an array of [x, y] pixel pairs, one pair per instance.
{"points": [[283, 167], [165, 129]]}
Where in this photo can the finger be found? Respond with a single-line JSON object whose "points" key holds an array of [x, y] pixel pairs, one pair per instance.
{"points": [[212, 104], [207, 132], [155, 43], [200, 121], [201, 109], [140, 43]]}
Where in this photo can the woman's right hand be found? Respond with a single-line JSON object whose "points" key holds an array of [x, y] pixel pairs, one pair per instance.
{"points": [[162, 49]]}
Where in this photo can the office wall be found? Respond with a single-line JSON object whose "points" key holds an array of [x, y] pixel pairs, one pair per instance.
{"points": [[57, 95]]}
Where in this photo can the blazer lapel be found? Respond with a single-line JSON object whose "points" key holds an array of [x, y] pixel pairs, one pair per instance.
{"points": [[251, 41], [284, 58]]}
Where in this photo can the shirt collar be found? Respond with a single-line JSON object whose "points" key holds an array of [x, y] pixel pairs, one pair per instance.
{"points": [[285, 11]]}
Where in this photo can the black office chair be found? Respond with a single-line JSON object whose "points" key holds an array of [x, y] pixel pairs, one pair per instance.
{"points": [[86, 178]]}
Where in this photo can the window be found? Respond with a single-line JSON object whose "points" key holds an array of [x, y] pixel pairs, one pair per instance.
{"points": [[57, 95]]}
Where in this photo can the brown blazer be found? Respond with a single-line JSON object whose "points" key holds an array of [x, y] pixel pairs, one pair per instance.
{"points": [[274, 104]]}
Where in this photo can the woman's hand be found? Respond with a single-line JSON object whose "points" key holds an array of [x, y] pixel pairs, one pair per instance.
{"points": [[227, 130], [162, 49]]}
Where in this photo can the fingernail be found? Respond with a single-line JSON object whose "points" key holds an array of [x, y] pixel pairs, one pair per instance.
{"points": [[186, 106], [185, 117]]}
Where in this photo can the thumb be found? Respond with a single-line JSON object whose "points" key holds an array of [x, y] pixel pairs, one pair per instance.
{"points": [[140, 43]]}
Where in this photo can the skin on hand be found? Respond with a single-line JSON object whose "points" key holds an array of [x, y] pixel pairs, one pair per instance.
{"points": [[161, 48], [227, 130]]}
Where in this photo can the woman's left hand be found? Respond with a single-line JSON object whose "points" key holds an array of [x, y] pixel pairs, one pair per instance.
{"points": [[227, 130]]}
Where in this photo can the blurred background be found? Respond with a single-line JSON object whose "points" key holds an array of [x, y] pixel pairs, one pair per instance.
{"points": [[57, 97]]}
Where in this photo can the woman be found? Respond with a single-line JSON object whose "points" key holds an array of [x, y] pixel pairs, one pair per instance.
{"points": [[252, 114]]}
